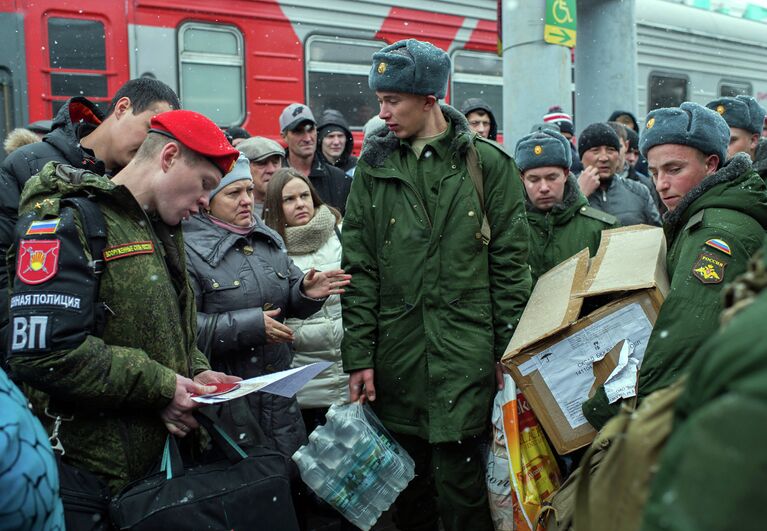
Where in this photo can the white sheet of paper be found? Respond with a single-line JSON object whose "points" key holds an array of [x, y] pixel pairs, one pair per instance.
{"points": [[283, 383], [567, 367], [622, 381]]}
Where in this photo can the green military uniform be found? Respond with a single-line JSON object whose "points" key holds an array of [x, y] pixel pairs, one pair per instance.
{"points": [[712, 470], [114, 385], [711, 235], [431, 307], [566, 229]]}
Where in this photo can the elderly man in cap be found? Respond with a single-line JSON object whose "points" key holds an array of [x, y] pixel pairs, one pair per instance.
{"points": [[299, 130], [599, 147], [716, 220], [266, 157], [435, 237], [561, 221], [102, 315], [745, 117]]}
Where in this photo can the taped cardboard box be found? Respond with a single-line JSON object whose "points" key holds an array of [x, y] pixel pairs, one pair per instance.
{"points": [[582, 312]]}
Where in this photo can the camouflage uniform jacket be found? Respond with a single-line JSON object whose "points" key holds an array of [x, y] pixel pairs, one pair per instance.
{"points": [[113, 385]]}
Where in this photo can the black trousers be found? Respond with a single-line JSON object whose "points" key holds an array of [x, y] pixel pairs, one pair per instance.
{"points": [[449, 484]]}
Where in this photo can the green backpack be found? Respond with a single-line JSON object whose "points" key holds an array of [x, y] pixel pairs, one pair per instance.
{"points": [[609, 489]]}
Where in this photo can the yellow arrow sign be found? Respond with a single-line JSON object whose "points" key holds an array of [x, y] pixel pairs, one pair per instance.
{"points": [[557, 35], [560, 22]]}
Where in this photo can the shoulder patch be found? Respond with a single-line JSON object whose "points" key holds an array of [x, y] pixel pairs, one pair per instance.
{"points": [[709, 269], [719, 245], [46, 226], [38, 260], [695, 220], [128, 249], [604, 217]]}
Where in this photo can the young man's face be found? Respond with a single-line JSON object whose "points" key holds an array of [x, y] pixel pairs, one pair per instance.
{"points": [[479, 121], [742, 141], [333, 145], [545, 186], [129, 130], [302, 140], [405, 114], [677, 169], [606, 159], [632, 157], [183, 187]]}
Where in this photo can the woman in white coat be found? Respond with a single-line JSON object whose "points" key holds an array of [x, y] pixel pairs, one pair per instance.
{"points": [[311, 230]]}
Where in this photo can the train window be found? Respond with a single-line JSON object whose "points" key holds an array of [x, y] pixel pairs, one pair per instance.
{"points": [[78, 60], [666, 90], [337, 77], [735, 88], [212, 71], [478, 75]]}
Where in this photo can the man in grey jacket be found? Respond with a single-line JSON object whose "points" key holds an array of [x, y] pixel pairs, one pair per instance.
{"points": [[627, 200]]}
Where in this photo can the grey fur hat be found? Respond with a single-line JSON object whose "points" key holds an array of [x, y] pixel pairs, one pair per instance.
{"points": [[689, 124], [543, 148], [742, 112], [410, 66]]}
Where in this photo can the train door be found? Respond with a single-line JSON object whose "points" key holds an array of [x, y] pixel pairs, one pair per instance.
{"points": [[74, 52]]}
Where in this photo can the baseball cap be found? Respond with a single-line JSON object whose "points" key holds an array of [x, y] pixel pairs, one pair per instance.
{"points": [[293, 115], [198, 133]]}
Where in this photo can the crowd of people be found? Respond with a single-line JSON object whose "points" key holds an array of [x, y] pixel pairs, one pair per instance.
{"points": [[147, 255]]}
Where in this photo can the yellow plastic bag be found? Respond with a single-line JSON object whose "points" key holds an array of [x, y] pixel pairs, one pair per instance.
{"points": [[534, 474]]}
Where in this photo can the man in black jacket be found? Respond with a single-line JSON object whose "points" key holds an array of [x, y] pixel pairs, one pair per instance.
{"points": [[299, 130], [83, 137]]}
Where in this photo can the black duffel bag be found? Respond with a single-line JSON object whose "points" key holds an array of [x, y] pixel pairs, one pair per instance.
{"points": [[239, 491]]}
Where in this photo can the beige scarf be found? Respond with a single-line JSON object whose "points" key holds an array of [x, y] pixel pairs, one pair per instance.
{"points": [[305, 239]]}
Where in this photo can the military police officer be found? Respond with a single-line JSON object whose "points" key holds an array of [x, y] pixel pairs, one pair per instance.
{"points": [[102, 315], [716, 221], [561, 220], [745, 117]]}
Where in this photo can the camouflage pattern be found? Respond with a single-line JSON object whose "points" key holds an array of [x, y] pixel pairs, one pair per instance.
{"points": [[115, 385]]}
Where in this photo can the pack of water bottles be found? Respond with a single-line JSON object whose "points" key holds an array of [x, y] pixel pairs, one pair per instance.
{"points": [[354, 464]]}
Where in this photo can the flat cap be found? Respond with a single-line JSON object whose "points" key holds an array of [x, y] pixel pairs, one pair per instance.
{"points": [[689, 124], [258, 148], [742, 112], [199, 134], [543, 148], [410, 66]]}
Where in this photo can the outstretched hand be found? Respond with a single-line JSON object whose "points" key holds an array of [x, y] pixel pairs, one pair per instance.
{"points": [[319, 285]]}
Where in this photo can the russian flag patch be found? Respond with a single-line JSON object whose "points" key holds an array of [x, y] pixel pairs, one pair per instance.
{"points": [[47, 226], [720, 245]]}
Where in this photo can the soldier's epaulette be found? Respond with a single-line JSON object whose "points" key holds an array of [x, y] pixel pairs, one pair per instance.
{"points": [[493, 143], [72, 174], [695, 220], [604, 217]]}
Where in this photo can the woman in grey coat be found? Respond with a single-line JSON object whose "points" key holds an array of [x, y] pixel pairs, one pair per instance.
{"points": [[245, 285]]}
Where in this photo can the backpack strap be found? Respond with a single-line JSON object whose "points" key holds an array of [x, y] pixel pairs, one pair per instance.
{"points": [[474, 166], [94, 226]]}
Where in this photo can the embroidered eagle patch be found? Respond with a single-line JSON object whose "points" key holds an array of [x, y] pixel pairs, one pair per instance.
{"points": [[708, 269]]}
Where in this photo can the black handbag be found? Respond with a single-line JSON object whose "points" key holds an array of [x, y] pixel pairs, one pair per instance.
{"points": [[239, 491]]}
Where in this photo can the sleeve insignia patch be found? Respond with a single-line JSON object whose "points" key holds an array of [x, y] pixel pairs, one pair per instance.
{"points": [[47, 226], [720, 245], [38, 260], [708, 269], [128, 249]]}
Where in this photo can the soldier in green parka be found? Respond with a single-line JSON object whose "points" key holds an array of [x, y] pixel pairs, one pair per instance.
{"points": [[111, 339], [439, 281], [561, 221], [712, 469], [716, 221]]}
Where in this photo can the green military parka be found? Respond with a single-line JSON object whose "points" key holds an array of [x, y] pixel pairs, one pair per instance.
{"points": [[711, 235], [430, 306], [114, 386], [566, 229]]}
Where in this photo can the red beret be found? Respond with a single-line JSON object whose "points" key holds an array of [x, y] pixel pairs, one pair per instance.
{"points": [[198, 133]]}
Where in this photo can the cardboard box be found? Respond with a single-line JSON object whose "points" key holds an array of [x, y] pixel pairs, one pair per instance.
{"points": [[583, 311]]}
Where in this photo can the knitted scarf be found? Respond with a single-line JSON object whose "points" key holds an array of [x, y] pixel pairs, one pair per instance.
{"points": [[305, 239]]}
